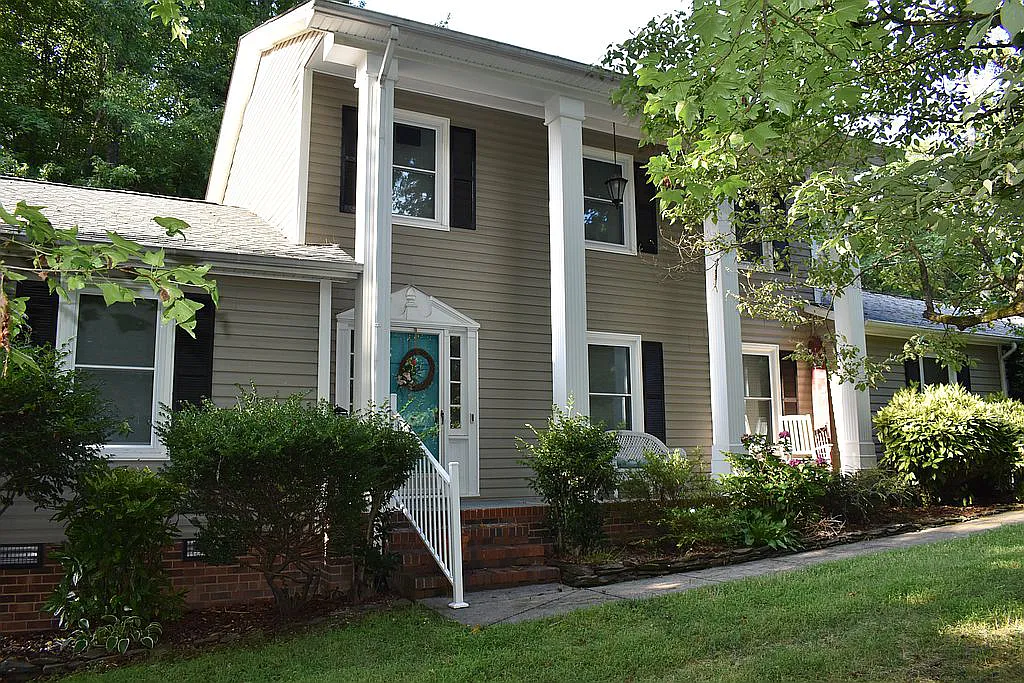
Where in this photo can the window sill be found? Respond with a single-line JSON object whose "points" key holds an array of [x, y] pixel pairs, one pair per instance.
{"points": [[413, 222], [136, 453], [610, 248]]}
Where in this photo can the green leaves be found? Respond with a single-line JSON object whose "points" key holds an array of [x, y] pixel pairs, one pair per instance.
{"points": [[173, 226], [1012, 16]]}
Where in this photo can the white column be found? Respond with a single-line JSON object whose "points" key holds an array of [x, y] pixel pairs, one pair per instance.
{"points": [[373, 230], [564, 119], [323, 349], [852, 407], [725, 345]]}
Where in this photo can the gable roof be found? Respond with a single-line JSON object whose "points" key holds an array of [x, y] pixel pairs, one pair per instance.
{"points": [[232, 239], [892, 310]]}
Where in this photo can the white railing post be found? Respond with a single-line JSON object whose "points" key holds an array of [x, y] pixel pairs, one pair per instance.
{"points": [[455, 531]]}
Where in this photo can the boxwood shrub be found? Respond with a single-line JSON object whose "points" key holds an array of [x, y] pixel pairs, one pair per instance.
{"points": [[955, 445]]}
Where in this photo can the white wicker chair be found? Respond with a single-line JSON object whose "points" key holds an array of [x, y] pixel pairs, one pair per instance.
{"points": [[634, 447]]}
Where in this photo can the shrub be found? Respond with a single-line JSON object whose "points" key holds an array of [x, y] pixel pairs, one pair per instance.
{"points": [[952, 444], [859, 496], [573, 465], [51, 424], [781, 486], [387, 456], [267, 479], [667, 478], [701, 527], [118, 523]]}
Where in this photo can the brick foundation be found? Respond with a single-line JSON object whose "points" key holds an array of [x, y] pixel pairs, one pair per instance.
{"points": [[23, 591]]}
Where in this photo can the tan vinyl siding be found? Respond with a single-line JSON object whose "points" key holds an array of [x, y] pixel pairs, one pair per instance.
{"points": [[497, 274], [265, 334], [634, 295], [264, 175], [985, 377]]}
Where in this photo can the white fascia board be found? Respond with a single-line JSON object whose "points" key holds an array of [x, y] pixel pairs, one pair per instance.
{"points": [[903, 331], [251, 47]]}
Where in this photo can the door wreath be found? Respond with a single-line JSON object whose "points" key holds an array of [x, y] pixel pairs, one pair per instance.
{"points": [[411, 375]]}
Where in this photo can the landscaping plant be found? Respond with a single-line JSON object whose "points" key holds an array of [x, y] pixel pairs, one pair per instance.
{"points": [[573, 463], [663, 478], [955, 446], [118, 522], [271, 483], [52, 422]]}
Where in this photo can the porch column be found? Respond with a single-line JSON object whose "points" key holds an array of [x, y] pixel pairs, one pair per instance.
{"points": [[376, 83], [725, 345], [570, 375], [852, 407]]}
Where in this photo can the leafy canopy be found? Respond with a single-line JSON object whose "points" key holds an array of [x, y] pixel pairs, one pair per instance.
{"points": [[889, 133]]}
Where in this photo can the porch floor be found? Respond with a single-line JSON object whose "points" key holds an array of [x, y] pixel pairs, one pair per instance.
{"points": [[537, 601]]}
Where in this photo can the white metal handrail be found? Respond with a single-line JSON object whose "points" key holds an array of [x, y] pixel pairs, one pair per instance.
{"points": [[431, 501]]}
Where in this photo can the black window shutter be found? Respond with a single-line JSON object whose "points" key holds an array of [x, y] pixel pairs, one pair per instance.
{"points": [[193, 357], [963, 377], [463, 181], [40, 311], [349, 146], [654, 389], [912, 372], [646, 196]]}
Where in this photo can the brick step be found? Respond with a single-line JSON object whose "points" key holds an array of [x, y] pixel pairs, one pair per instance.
{"points": [[494, 556], [419, 587]]}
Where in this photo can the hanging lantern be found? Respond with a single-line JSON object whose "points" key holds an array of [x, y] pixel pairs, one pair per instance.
{"points": [[616, 184]]}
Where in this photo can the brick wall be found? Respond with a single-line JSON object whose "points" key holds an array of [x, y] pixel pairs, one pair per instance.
{"points": [[23, 591]]}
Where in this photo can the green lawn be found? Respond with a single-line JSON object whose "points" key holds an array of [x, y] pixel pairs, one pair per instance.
{"points": [[948, 612]]}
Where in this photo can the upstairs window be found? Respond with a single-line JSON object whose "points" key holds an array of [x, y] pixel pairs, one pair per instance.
{"points": [[747, 219], [607, 227], [419, 170]]}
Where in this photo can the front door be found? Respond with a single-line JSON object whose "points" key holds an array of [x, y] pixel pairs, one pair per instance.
{"points": [[416, 381]]}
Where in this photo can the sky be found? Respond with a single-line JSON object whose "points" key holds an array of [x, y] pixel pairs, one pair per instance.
{"points": [[568, 28]]}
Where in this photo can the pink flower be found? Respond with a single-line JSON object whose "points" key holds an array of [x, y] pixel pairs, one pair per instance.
{"points": [[783, 434], [795, 461]]}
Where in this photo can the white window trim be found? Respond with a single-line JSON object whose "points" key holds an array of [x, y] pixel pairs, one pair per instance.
{"points": [[636, 378], [442, 173], [628, 202], [163, 372], [954, 376], [774, 370]]}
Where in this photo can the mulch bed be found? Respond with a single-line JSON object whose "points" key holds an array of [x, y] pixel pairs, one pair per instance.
{"points": [[630, 562], [34, 656]]}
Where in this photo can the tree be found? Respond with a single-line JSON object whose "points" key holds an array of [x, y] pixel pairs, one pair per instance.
{"points": [[98, 93], [889, 135]]}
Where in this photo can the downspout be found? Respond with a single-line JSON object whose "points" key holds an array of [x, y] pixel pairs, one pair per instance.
{"points": [[389, 54], [1002, 367]]}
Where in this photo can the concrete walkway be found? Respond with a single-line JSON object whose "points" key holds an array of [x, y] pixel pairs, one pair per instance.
{"points": [[534, 602]]}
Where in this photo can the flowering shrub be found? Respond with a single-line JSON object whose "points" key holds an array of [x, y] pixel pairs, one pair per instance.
{"points": [[768, 478]]}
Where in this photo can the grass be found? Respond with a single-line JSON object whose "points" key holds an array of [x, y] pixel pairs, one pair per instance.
{"points": [[945, 612]]}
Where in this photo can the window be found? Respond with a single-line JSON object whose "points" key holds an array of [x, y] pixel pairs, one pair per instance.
{"points": [[129, 353], [419, 170], [762, 395], [788, 372], [607, 227], [927, 371], [455, 381], [616, 387]]}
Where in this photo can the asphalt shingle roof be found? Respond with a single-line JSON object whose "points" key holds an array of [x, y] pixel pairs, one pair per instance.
{"points": [[214, 228], [899, 310]]}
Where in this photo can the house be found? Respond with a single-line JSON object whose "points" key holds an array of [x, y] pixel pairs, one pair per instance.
{"points": [[400, 209]]}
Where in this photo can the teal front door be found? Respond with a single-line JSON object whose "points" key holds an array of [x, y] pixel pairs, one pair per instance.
{"points": [[416, 381]]}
